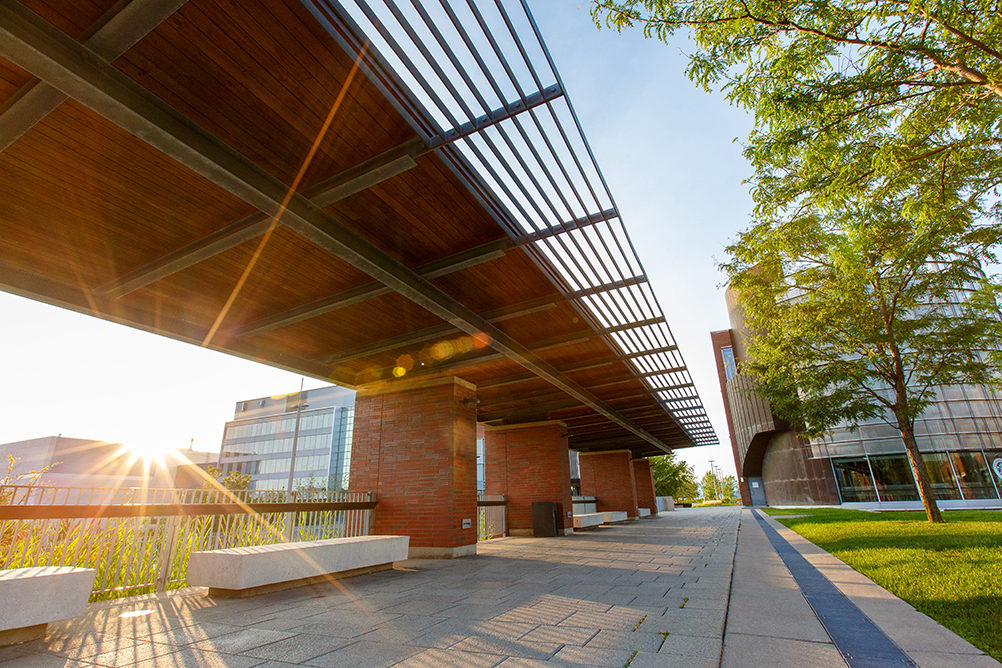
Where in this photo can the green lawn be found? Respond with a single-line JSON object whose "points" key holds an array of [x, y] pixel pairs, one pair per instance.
{"points": [[951, 572]]}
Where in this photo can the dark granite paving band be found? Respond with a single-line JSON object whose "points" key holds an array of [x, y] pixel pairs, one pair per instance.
{"points": [[860, 641]]}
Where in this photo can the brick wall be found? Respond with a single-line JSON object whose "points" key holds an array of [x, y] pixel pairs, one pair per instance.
{"points": [[608, 476], [643, 477], [416, 449], [529, 463]]}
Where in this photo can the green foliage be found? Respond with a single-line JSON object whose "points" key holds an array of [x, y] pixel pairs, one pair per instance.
{"points": [[673, 477], [715, 488], [951, 572], [852, 97], [234, 481], [11, 479], [876, 184]]}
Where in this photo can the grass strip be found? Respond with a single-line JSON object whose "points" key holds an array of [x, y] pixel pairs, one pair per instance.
{"points": [[951, 572]]}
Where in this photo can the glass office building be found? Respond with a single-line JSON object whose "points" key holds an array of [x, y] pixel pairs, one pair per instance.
{"points": [[959, 435], [259, 440]]}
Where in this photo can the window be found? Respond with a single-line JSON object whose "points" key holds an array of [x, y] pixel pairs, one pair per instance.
{"points": [[730, 364], [854, 480]]}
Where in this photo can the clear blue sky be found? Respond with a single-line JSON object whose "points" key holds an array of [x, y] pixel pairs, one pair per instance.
{"points": [[667, 149]]}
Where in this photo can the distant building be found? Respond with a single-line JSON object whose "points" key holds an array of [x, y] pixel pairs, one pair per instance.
{"points": [[959, 436], [259, 440], [82, 462]]}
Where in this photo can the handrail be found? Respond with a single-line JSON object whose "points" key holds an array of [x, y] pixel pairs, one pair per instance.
{"points": [[22, 512]]}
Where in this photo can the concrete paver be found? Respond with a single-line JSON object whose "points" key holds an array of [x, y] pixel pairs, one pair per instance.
{"points": [[653, 593], [580, 600]]}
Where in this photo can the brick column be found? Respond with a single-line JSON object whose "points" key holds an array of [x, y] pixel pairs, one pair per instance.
{"points": [[608, 476], [526, 463], [643, 477], [415, 447]]}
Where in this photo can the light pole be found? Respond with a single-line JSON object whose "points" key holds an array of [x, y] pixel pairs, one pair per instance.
{"points": [[295, 435], [713, 476]]}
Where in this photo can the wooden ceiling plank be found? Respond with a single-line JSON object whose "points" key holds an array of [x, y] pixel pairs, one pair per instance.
{"points": [[27, 284], [492, 250], [30, 42], [429, 333], [113, 34]]}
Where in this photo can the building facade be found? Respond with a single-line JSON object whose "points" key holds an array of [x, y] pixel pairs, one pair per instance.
{"points": [[959, 436], [259, 439]]}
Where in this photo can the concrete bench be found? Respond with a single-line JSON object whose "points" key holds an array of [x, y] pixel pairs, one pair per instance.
{"points": [[30, 598], [644, 512], [615, 516], [588, 520], [249, 571]]}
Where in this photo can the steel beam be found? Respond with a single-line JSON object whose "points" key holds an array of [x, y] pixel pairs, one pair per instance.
{"points": [[362, 176], [608, 287], [653, 351], [72, 297], [35, 45], [447, 265], [587, 221], [634, 325], [524, 377], [127, 22], [429, 333], [479, 358], [648, 374], [545, 408]]}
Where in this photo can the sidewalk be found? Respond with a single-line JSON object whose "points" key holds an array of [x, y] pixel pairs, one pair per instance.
{"points": [[771, 623], [653, 592], [650, 594]]}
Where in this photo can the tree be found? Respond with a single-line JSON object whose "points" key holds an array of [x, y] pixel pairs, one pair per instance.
{"points": [[860, 314], [709, 486], [673, 477], [235, 481], [854, 96], [728, 487]]}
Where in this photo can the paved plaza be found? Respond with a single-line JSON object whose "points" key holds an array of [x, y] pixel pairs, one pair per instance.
{"points": [[658, 592]]}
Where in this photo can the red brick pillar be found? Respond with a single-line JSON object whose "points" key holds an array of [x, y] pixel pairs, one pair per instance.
{"points": [[526, 463], [415, 447], [608, 476], [643, 477]]}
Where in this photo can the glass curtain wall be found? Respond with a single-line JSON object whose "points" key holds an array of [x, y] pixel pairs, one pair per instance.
{"points": [[958, 475]]}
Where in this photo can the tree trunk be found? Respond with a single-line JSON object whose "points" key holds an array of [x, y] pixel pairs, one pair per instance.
{"points": [[918, 469]]}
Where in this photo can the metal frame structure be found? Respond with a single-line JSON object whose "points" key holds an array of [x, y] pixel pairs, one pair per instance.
{"points": [[487, 101], [494, 107]]}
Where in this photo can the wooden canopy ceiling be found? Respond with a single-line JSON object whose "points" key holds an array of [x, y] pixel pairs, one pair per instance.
{"points": [[223, 173]]}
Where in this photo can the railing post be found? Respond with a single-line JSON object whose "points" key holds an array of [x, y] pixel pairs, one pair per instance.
{"points": [[170, 546], [289, 533], [368, 515]]}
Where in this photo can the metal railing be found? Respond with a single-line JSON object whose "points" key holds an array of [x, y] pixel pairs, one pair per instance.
{"points": [[492, 516], [139, 540]]}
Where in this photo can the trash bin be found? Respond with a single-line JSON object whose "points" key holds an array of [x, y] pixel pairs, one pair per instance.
{"points": [[544, 518]]}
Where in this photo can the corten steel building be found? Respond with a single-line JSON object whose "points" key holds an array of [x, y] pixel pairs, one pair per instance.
{"points": [[959, 435], [395, 197]]}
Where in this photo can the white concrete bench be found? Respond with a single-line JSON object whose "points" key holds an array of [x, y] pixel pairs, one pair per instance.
{"points": [[588, 520], [615, 516], [30, 598], [249, 571], [644, 512]]}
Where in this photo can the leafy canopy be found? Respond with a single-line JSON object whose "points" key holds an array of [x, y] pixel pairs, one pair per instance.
{"points": [[673, 477], [859, 314], [849, 96]]}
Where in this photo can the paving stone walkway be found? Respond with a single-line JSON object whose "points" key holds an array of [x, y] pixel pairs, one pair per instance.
{"points": [[648, 593]]}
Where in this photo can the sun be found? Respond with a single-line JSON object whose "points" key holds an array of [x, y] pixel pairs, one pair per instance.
{"points": [[148, 450]]}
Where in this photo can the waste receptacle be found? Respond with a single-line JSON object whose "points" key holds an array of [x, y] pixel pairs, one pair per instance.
{"points": [[544, 518]]}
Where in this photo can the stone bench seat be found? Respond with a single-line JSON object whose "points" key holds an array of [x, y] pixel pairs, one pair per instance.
{"points": [[249, 571], [614, 516], [588, 520], [30, 598], [644, 512]]}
